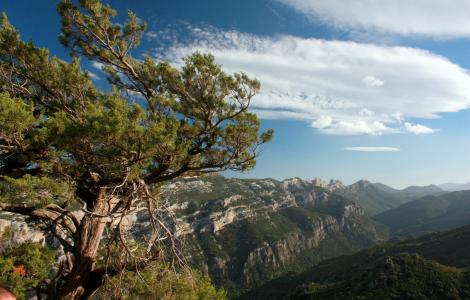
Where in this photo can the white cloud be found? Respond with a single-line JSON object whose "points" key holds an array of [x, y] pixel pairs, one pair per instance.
{"points": [[151, 35], [372, 81], [418, 129], [322, 81], [366, 112], [358, 127], [436, 18], [373, 149], [93, 75], [97, 65], [322, 122]]}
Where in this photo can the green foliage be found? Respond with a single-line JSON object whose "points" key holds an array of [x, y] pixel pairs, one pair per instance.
{"points": [[16, 119], [36, 191], [160, 282], [24, 266]]}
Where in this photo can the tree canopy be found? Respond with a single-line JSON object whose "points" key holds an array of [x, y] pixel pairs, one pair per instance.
{"points": [[66, 145]]}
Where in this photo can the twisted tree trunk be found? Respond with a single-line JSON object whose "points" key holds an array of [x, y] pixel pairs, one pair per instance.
{"points": [[78, 282]]}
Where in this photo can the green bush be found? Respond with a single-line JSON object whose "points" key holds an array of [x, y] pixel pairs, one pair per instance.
{"points": [[24, 266], [160, 282]]}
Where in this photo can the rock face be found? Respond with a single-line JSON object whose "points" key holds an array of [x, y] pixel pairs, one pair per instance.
{"points": [[245, 232], [20, 231], [280, 253], [332, 185]]}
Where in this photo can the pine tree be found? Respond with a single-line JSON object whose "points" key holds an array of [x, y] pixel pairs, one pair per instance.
{"points": [[67, 145]]}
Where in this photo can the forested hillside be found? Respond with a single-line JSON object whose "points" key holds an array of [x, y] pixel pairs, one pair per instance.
{"points": [[428, 214], [435, 266]]}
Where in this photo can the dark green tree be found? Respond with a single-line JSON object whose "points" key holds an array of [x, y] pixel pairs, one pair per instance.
{"points": [[66, 145]]}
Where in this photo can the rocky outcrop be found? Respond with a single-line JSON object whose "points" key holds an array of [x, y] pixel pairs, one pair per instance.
{"points": [[331, 185], [19, 230]]}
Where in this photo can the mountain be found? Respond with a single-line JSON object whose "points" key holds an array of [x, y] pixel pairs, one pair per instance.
{"points": [[435, 266], [415, 192], [429, 213], [377, 197], [374, 198], [246, 232], [453, 187]]}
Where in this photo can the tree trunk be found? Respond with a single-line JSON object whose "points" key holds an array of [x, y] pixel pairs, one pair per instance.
{"points": [[91, 232]]}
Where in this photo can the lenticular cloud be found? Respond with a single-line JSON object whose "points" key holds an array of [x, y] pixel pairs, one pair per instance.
{"points": [[340, 87]]}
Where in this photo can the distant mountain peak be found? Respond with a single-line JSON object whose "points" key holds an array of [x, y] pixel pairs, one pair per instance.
{"points": [[377, 197], [361, 184], [422, 190], [453, 187]]}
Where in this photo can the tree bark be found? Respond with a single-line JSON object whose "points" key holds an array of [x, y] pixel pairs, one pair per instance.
{"points": [[91, 232]]}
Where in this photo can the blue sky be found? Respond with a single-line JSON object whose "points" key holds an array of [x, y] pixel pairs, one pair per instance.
{"points": [[389, 77]]}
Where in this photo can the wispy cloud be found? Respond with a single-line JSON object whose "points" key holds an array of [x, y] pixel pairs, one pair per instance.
{"points": [[372, 149], [97, 65], [151, 35], [93, 75], [372, 81], [339, 87], [418, 128], [437, 18]]}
